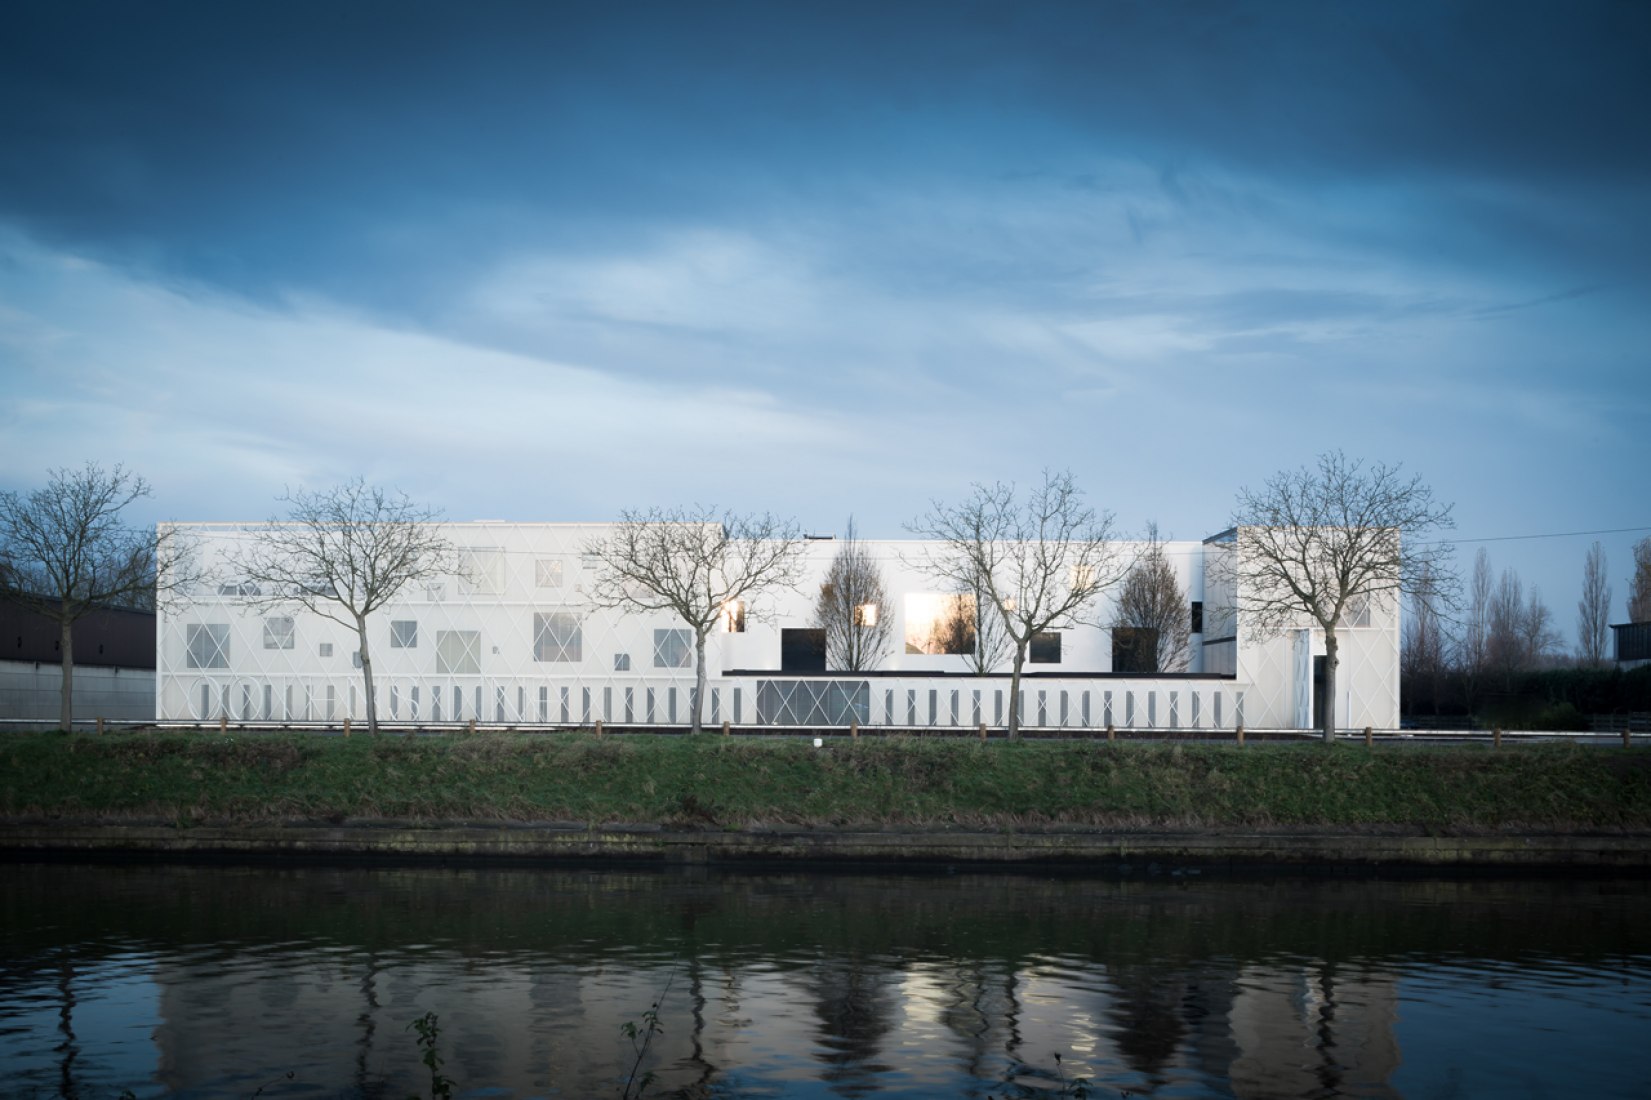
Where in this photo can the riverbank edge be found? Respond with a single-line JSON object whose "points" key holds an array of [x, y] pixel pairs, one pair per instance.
{"points": [[1101, 849]]}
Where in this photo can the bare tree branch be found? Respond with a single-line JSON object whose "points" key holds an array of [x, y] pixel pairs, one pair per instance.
{"points": [[342, 554], [1317, 543], [1151, 599], [65, 551], [1039, 559], [1593, 611], [696, 565], [852, 608]]}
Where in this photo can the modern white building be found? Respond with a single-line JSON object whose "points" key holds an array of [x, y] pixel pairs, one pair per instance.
{"points": [[516, 641]]}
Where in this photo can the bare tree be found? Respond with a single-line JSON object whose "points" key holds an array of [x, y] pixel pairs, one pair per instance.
{"points": [[1424, 651], [1520, 632], [1324, 542], [1593, 611], [1639, 589], [343, 554], [64, 552], [852, 608], [978, 630], [697, 565], [1152, 600], [1039, 559], [1476, 636]]}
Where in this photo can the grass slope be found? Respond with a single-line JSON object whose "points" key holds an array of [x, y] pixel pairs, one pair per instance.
{"points": [[709, 780]]}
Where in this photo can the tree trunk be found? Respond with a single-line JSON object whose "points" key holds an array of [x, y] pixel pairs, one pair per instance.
{"points": [[66, 708], [699, 679], [1014, 692], [367, 675], [1330, 661]]}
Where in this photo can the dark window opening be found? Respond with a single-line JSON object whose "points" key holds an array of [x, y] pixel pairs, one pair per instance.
{"points": [[1045, 648], [802, 650], [1197, 616], [1134, 650]]}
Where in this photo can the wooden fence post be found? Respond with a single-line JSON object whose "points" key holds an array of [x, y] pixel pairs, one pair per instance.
{"points": [[1496, 737], [472, 727], [346, 725], [100, 727], [1627, 734], [983, 731], [599, 727], [223, 724], [725, 727], [1110, 733], [1369, 737], [1239, 732], [854, 729]]}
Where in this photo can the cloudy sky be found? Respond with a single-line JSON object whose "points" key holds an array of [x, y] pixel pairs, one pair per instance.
{"points": [[547, 261]]}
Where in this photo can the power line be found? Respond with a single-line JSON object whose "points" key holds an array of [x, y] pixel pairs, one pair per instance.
{"points": [[1545, 535]]}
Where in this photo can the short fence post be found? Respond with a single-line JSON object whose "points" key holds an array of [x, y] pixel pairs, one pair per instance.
{"points": [[346, 725], [1110, 733], [599, 727], [725, 727], [1239, 733], [1369, 737], [223, 724], [472, 727], [100, 727], [1627, 733], [983, 731], [1496, 737], [854, 729]]}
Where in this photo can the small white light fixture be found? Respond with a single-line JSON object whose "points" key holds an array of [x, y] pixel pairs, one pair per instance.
{"points": [[819, 742]]}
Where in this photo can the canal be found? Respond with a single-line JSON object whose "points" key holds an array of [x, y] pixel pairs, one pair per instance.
{"points": [[281, 981]]}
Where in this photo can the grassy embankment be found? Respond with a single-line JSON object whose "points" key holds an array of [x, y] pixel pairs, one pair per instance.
{"points": [[712, 781]]}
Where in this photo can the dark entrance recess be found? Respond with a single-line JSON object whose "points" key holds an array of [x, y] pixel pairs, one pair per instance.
{"points": [[802, 650], [1318, 693]]}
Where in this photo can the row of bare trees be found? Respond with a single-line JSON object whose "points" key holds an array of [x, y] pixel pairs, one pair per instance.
{"points": [[1311, 545]]}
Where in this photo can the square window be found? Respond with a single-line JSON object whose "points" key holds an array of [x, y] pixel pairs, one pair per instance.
{"points": [[403, 634], [621, 662], [673, 649], [1045, 648], [557, 636], [458, 652], [325, 649], [278, 632], [207, 645], [547, 572]]}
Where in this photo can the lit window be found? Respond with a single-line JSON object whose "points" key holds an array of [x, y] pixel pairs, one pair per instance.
{"points": [[207, 645], [557, 636], [939, 623], [673, 649], [547, 572], [733, 617], [278, 632], [458, 652], [865, 615], [403, 634]]}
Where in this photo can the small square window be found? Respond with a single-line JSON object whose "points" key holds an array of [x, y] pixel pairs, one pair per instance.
{"points": [[1045, 648], [207, 645], [325, 649], [621, 662], [547, 572], [403, 634], [278, 632]]}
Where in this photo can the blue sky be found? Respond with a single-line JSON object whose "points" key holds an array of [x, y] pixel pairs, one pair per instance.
{"points": [[544, 262]]}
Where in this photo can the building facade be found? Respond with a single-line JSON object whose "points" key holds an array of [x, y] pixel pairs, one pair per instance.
{"points": [[516, 640]]}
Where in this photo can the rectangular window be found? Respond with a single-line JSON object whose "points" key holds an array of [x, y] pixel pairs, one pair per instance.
{"points": [[239, 588], [1134, 650], [435, 591], [278, 632], [547, 573], [1045, 648], [673, 649], [458, 652], [1356, 612], [1197, 617], [621, 662], [938, 623], [733, 617], [403, 634], [324, 649], [557, 636], [207, 645], [484, 569], [355, 658]]}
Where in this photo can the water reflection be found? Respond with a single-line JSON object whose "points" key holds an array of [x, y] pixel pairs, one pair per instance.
{"points": [[211, 981]]}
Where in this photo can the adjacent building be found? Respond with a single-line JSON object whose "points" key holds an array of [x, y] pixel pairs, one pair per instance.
{"points": [[516, 640]]}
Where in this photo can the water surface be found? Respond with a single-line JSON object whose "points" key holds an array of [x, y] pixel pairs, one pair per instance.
{"points": [[209, 981]]}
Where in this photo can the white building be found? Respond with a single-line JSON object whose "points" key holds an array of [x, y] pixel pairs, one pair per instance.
{"points": [[517, 642]]}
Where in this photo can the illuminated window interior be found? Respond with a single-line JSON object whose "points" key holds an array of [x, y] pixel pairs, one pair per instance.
{"points": [[940, 623], [733, 617]]}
